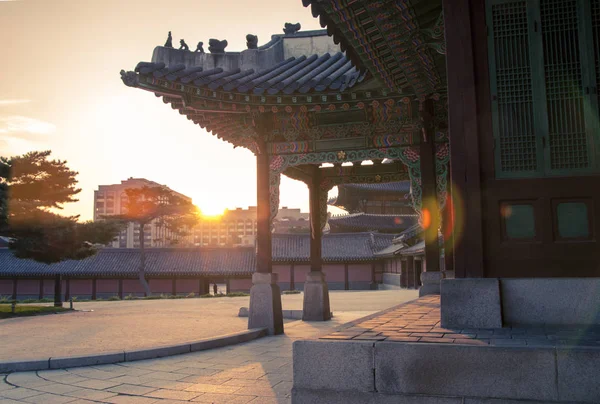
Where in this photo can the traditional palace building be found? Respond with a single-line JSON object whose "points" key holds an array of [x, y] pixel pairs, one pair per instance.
{"points": [[109, 200]]}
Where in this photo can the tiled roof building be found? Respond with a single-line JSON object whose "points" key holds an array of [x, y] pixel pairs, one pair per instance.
{"points": [[189, 262]]}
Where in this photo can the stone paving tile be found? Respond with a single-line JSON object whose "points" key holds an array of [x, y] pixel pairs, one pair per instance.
{"points": [[211, 388], [57, 388], [132, 389], [97, 384], [132, 400], [173, 394], [19, 393], [223, 398], [49, 399], [419, 321], [89, 394]]}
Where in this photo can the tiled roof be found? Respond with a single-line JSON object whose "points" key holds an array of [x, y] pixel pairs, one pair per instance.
{"points": [[232, 261], [411, 232], [336, 246], [295, 74], [110, 262], [398, 186], [416, 249], [372, 222]]}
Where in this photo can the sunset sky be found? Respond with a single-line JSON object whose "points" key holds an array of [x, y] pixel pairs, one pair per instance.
{"points": [[60, 89]]}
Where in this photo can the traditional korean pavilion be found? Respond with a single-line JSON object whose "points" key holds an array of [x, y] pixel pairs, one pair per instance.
{"points": [[517, 114], [382, 207], [304, 99], [378, 198]]}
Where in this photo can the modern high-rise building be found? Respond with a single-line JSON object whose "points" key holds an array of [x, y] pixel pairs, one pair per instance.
{"points": [[109, 200]]}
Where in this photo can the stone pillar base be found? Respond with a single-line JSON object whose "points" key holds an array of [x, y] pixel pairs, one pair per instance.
{"points": [[430, 283], [265, 303], [316, 298]]}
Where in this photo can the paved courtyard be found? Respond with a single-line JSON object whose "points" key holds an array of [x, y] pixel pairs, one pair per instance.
{"points": [[256, 372], [129, 325]]}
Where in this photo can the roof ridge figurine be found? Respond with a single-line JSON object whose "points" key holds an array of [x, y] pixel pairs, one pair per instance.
{"points": [[169, 43], [199, 47], [291, 29], [183, 46], [216, 46], [252, 41]]}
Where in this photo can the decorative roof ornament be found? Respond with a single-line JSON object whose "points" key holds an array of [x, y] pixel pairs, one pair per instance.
{"points": [[216, 46], [169, 43], [252, 41], [291, 29], [183, 46], [200, 47], [130, 78]]}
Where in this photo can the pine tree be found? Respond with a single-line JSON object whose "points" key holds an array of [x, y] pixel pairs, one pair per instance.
{"points": [[162, 206], [32, 188]]}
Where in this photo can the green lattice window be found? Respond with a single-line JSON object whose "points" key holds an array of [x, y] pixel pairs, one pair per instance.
{"points": [[517, 148], [595, 15], [543, 73]]}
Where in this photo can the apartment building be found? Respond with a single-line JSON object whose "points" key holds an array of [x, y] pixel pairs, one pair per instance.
{"points": [[109, 200]]}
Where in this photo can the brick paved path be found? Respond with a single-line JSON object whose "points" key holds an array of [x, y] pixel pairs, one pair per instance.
{"points": [[256, 372], [419, 321]]}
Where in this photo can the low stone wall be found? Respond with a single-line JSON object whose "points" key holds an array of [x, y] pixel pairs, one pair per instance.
{"points": [[394, 372], [492, 302]]}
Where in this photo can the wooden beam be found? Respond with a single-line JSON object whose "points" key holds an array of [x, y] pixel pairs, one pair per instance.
{"points": [[395, 167]]}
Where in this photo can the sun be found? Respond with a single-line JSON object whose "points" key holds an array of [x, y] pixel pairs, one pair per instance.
{"points": [[209, 209]]}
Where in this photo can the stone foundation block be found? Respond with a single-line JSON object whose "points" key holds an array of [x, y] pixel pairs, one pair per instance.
{"points": [[551, 301], [579, 374], [316, 298], [339, 365], [430, 283], [265, 304], [465, 371], [308, 396], [471, 303]]}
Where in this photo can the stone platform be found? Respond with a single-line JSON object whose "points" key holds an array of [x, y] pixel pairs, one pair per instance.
{"points": [[403, 355]]}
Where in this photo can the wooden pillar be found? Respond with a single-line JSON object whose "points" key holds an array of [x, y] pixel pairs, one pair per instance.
{"points": [[174, 287], [410, 270], [448, 233], [430, 208], [314, 190], [94, 289], [292, 279], [204, 286], [462, 56], [346, 280], [57, 291], [67, 290], [227, 286], [403, 274], [41, 294], [121, 289], [263, 235], [316, 291], [14, 291]]}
